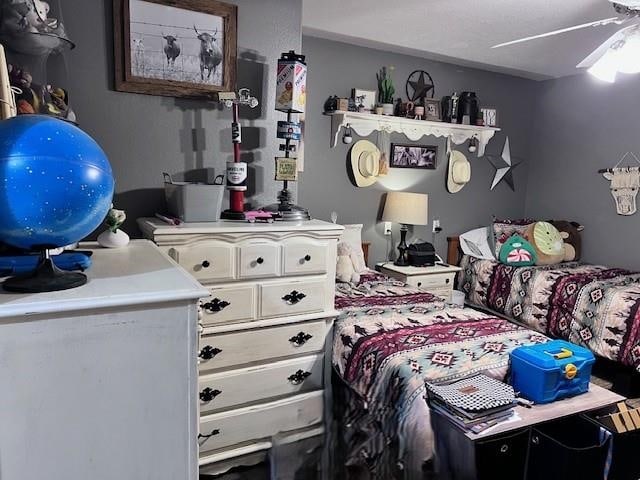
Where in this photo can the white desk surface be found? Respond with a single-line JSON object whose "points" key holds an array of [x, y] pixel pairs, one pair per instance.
{"points": [[136, 274], [411, 271]]}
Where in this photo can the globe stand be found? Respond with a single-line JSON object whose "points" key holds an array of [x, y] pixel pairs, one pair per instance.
{"points": [[46, 278]]}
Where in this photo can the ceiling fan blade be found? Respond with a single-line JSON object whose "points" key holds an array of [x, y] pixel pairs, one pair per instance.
{"points": [[597, 23], [600, 51]]}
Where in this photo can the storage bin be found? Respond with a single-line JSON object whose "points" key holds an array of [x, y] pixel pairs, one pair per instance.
{"points": [[566, 449], [505, 456], [194, 202], [625, 464], [550, 371]]}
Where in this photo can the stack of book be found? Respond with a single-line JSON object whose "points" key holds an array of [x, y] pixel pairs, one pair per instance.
{"points": [[473, 404]]}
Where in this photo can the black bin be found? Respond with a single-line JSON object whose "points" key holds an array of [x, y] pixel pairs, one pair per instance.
{"points": [[625, 464], [505, 455], [569, 448]]}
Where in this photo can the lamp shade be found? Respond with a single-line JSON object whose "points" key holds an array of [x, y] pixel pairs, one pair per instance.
{"points": [[407, 208]]}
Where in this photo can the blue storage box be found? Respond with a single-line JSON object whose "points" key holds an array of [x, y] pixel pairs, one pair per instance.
{"points": [[546, 372]]}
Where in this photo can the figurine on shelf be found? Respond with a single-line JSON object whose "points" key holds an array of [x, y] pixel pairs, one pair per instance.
{"points": [[113, 237]]}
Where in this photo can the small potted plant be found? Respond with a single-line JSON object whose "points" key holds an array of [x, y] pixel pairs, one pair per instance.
{"points": [[113, 237], [386, 90]]}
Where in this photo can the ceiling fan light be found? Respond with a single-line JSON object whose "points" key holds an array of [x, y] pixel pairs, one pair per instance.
{"points": [[629, 56], [606, 68]]}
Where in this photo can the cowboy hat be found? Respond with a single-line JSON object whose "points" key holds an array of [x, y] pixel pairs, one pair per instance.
{"points": [[365, 163], [459, 172]]}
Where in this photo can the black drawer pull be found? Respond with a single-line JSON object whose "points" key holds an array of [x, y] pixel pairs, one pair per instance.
{"points": [[299, 377], [212, 434], [419, 284], [208, 352], [209, 394], [447, 281], [307, 258], [300, 339], [504, 448], [294, 297], [215, 305], [260, 260], [205, 264]]}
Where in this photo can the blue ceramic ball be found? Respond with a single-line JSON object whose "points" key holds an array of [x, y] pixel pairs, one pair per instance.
{"points": [[56, 184]]}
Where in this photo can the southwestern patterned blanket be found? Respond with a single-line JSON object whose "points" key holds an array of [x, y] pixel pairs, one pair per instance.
{"points": [[389, 339], [591, 305]]}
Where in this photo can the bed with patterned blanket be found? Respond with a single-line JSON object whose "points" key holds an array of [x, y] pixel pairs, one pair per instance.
{"points": [[591, 305], [388, 340]]}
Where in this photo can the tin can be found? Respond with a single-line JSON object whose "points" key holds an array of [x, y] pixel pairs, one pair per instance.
{"points": [[289, 130], [237, 176]]}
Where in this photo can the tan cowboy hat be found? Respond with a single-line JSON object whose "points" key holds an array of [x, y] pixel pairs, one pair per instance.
{"points": [[459, 171], [365, 163]]}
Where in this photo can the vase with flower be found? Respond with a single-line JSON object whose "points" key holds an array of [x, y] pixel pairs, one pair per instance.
{"points": [[113, 237]]}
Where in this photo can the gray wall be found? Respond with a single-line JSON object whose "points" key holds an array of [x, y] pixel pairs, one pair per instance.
{"points": [[145, 135], [583, 125], [334, 68]]}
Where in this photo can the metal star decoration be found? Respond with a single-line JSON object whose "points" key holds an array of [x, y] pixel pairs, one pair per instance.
{"points": [[420, 86], [504, 168]]}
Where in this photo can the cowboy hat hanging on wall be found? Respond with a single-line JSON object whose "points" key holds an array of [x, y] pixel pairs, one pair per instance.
{"points": [[459, 170], [364, 163], [625, 182], [504, 167]]}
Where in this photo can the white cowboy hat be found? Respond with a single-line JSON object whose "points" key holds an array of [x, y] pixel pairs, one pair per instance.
{"points": [[459, 172], [365, 163]]}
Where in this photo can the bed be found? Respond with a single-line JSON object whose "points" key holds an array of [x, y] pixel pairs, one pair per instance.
{"points": [[390, 338], [591, 305]]}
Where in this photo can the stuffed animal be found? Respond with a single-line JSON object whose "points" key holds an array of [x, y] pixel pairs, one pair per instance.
{"points": [[570, 233], [345, 266], [518, 252], [547, 242]]}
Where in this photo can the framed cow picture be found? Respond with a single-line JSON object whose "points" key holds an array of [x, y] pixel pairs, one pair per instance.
{"points": [[175, 48]]}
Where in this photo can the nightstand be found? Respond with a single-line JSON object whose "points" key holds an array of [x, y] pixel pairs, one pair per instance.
{"points": [[438, 279]]}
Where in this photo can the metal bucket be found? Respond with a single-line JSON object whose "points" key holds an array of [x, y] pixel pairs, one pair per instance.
{"points": [[194, 202]]}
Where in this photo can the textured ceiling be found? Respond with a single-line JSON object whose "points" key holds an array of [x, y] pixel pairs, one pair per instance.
{"points": [[463, 31]]}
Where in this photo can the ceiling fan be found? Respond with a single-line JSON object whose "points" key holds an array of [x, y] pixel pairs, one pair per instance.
{"points": [[619, 53]]}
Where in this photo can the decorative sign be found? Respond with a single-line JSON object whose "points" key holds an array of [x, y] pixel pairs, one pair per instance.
{"points": [[286, 169]]}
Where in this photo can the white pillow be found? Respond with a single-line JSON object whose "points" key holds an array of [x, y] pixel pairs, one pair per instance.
{"points": [[475, 243], [352, 235]]}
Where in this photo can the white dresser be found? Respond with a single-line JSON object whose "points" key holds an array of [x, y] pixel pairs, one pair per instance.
{"points": [[99, 382], [265, 327]]}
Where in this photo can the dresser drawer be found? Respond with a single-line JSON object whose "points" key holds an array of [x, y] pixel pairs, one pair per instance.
{"points": [[259, 422], [303, 257], [240, 348], [229, 305], [206, 261], [291, 298], [442, 280], [236, 387], [259, 260]]}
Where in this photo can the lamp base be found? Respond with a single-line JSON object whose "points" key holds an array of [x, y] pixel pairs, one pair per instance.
{"points": [[402, 260]]}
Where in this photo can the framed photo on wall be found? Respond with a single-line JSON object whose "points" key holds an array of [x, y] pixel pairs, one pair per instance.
{"points": [[175, 48], [414, 156]]}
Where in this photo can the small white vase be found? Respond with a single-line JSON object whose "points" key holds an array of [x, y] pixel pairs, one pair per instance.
{"points": [[387, 108], [109, 239]]}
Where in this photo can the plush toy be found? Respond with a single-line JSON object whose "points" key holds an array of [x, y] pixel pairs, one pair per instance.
{"points": [[570, 233], [547, 242], [345, 266], [518, 252]]}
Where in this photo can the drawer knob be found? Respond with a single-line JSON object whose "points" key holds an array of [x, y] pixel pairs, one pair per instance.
{"points": [[307, 258], [504, 448], [208, 352], [447, 281], [260, 260], [419, 284], [212, 434], [299, 377], [209, 394], [215, 305], [205, 264], [293, 297], [300, 339]]}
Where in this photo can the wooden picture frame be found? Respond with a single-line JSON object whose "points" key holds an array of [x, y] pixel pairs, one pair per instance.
{"points": [[432, 110], [188, 71], [489, 116], [424, 157]]}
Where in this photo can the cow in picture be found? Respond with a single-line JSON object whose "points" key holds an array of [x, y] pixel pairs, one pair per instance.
{"points": [[210, 53], [138, 54], [171, 49]]}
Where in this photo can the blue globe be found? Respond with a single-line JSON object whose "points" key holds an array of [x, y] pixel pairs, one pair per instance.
{"points": [[56, 184]]}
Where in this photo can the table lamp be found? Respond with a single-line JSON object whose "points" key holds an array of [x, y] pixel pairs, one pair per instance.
{"points": [[406, 209]]}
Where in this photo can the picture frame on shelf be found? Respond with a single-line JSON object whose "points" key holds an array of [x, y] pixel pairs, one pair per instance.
{"points": [[175, 48], [489, 116], [413, 156], [369, 100], [432, 110]]}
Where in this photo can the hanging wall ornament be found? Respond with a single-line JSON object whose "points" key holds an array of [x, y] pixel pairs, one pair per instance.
{"points": [[504, 167], [625, 183], [347, 138], [419, 86]]}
